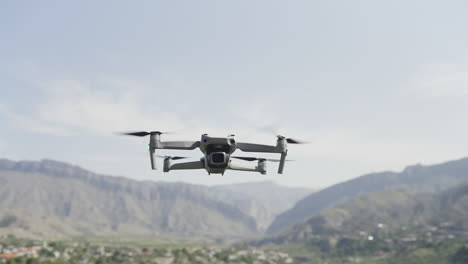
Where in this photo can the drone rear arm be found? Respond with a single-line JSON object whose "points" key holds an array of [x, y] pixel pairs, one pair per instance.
{"points": [[155, 143], [182, 145], [249, 147], [281, 147]]}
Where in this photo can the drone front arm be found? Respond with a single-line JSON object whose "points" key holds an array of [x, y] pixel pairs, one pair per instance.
{"points": [[249, 147], [193, 165]]}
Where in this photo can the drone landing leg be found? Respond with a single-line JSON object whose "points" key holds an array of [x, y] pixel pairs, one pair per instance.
{"points": [[282, 161], [152, 158]]}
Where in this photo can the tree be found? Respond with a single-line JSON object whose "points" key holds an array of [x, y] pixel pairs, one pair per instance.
{"points": [[44, 252], [32, 261], [461, 256]]}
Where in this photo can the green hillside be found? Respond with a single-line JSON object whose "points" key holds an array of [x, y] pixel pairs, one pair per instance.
{"points": [[393, 226], [416, 178]]}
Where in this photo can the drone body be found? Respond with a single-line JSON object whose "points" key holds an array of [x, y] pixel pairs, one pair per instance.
{"points": [[217, 152]]}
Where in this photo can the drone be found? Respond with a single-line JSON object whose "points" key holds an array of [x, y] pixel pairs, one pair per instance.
{"points": [[217, 153]]}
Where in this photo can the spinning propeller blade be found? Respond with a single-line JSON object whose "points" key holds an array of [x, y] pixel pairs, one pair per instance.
{"points": [[244, 158], [172, 157], [291, 140], [272, 129], [137, 134], [295, 141], [144, 133], [254, 158]]}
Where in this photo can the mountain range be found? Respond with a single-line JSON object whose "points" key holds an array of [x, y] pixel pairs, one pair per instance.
{"points": [[416, 178], [398, 213], [51, 198], [54, 199]]}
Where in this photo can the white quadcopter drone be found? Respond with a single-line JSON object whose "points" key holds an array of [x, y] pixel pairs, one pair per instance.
{"points": [[217, 153]]}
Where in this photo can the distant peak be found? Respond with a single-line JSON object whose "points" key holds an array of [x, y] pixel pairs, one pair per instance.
{"points": [[413, 168], [45, 166]]}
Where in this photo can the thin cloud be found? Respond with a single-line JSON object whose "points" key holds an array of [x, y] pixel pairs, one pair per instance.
{"points": [[352, 147], [76, 104], [440, 80], [31, 123]]}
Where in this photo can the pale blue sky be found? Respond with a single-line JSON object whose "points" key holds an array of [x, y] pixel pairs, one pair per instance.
{"points": [[372, 85]]}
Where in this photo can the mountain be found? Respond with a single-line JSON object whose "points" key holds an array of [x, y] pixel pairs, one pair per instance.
{"points": [[54, 199], [417, 178], [261, 200], [398, 213]]}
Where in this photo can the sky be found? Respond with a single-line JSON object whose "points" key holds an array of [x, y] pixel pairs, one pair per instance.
{"points": [[371, 85]]}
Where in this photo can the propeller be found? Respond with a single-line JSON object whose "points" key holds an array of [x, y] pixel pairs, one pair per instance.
{"points": [[274, 130], [291, 140], [254, 158], [144, 133], [172, 157]]}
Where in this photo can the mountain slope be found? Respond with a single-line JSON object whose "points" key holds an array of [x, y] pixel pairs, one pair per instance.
{"points": [[418, 178], [50, 198], [397, 213]]}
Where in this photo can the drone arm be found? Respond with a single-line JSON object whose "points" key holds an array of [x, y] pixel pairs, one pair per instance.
{"points": [[279, 148], [182, 145], [249, 147], [193, 165], [238, 167]]}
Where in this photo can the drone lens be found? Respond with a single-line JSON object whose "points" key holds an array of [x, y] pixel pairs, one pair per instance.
{"points": [[217, 157]]}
